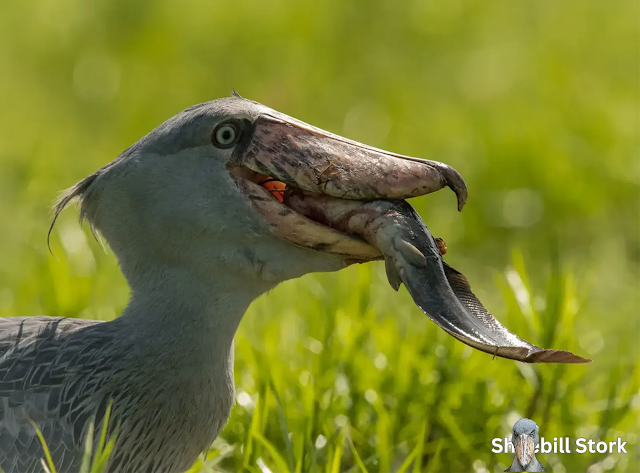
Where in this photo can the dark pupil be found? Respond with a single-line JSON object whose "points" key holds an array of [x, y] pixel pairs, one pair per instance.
{"points": [[226, 134]]}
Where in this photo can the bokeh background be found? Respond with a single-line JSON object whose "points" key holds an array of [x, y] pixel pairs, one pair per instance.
{"points": [[535, 103]]}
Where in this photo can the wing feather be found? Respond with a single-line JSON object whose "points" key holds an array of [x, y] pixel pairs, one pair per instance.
{"points": [[38, 359]]}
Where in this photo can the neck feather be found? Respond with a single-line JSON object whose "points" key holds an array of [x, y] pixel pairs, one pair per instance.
{"points": [[174, 310]]}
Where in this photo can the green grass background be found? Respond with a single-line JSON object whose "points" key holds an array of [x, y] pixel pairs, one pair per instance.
{"points": [[535, 103]]}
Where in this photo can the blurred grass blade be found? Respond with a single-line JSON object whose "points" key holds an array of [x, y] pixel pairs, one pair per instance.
{"points": [[337, 454], [356, 456], [85, 467], [286, 435], [254, 432], [434, 464], [47, 461], [280, 462]]}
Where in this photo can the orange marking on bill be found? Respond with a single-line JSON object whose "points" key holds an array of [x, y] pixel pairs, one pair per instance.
{"points": [[276, 188]]}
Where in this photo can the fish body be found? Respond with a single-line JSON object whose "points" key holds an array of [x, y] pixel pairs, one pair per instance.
{"points": [[413, 257]]}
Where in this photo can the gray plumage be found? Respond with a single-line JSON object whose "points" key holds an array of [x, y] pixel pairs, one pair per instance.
{"points": [[62, 373]]}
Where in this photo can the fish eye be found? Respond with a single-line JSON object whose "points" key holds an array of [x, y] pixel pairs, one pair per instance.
{"points": [[225, 135]]}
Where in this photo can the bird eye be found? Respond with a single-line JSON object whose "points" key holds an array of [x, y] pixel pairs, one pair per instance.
{"points": [[225, 135]]}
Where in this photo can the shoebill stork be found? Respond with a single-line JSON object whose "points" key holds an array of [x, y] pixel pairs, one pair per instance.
{"points": [[194, 214], [525, 439]]}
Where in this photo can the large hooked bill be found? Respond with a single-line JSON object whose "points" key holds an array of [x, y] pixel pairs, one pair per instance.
{"points": [[280, 154], [414, 258]]}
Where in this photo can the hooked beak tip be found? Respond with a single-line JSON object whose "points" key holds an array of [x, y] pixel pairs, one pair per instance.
{"points": [[454, 180], [318, 161]]}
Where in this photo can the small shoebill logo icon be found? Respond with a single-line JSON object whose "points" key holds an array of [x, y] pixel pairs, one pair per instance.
{"points": [[525, 440]]}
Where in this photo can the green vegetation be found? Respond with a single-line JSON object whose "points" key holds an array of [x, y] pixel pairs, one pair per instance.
{"points": [[535, 103]]}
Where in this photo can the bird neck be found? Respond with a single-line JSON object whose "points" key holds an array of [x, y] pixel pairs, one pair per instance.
{"points": [[175, 310]]}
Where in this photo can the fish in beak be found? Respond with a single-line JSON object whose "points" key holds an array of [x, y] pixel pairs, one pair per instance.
{"points": [[414, 258], [288, 155], [335, 195]]}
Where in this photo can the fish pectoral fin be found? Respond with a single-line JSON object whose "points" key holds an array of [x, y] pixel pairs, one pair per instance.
{"points": [[392, 273], [410, 253], [403, 254]]}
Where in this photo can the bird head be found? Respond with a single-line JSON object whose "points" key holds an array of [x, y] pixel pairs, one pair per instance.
{"points": [[203, 193], [525, 439]]}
